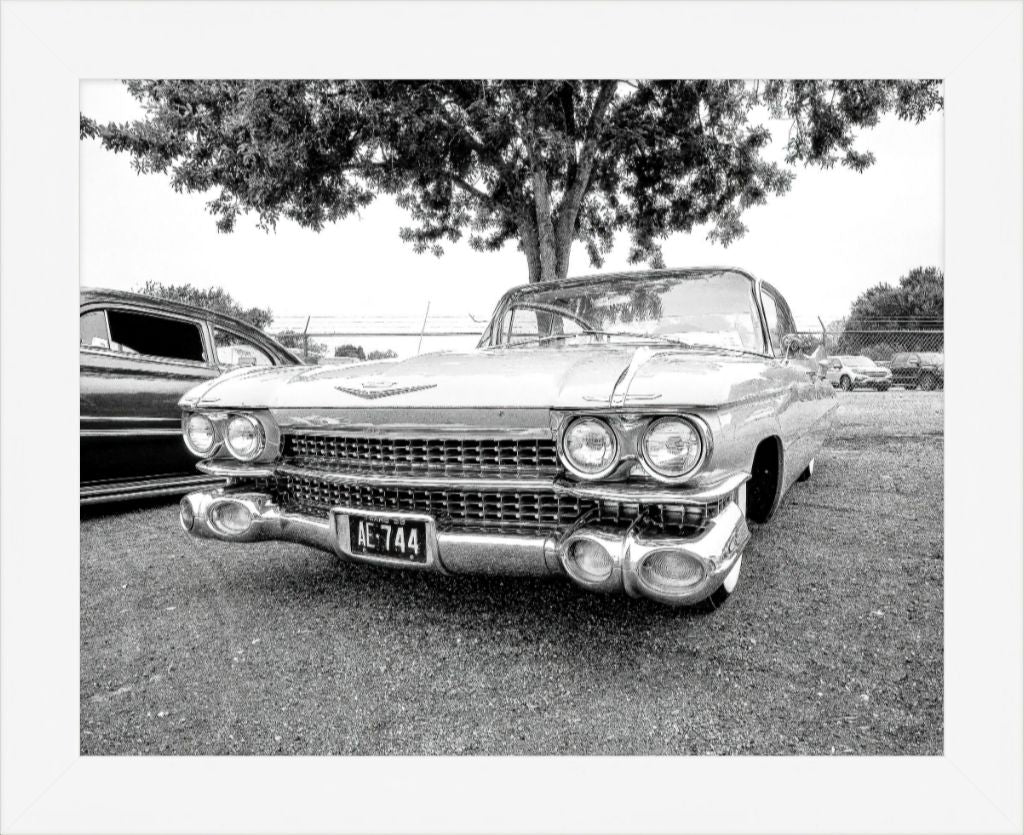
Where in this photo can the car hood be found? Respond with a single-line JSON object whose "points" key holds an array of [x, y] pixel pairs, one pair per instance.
{"points": [[568, 377]]}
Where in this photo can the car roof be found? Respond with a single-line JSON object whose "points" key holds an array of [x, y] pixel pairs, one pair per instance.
{"points": [[101, 294], [89, 295], [676, 272]]}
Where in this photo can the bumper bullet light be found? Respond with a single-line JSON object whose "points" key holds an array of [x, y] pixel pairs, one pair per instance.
{"points": [[671, 571], [230, 517], [187, 514], [589, 560]]}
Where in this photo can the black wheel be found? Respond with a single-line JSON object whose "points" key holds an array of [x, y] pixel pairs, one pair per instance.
{"points": [[720, 595], [883, 388], [807, 473], [845, 383], [927, 382]]}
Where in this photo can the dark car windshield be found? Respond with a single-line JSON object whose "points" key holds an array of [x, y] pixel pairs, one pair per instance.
{"points": [[704, 308]]}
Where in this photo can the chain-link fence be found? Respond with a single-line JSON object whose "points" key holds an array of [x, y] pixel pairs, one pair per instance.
{"points": [[878, 345], [318, 338]]}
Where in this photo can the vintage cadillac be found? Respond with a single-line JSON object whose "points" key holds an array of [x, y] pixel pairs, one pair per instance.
{"points": [[618, 429]]}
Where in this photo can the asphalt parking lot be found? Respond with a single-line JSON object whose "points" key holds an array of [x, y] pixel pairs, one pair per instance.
{"points": [[831, 645]]}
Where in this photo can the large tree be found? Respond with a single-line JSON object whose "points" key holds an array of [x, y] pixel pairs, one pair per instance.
{"points": [[541, 163], [916, 301], [908, 316]]}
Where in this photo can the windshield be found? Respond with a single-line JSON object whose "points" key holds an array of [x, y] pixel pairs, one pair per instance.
{"points": [[865, 361], [703, 308]]}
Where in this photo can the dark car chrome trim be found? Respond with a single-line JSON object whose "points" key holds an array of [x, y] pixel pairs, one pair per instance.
{"points": [[235, 469], [144, 488], [129, 433]]}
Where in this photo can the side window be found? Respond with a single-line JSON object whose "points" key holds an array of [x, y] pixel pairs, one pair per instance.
{"points": [[93, 330], [776, 311], [234, 351], [524, 327], [771, 313], [155, 336], [837, 364]]}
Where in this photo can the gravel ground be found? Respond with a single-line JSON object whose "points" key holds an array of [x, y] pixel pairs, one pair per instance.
{"points": [[832, 644]]}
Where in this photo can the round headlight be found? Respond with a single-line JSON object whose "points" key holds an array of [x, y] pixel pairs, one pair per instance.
{"points": [[672, 447], [590, 446], [200, 434], [244, 437]]}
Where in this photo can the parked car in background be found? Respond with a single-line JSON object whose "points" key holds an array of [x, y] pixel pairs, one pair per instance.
{"points": [[920, 369], [137, 356], [617, 429], [850, 372]]}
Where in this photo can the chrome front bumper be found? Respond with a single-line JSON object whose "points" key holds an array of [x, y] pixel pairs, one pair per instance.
{"points": [[716, 549]]}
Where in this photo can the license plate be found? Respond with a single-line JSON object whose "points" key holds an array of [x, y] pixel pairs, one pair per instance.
{"points": [[392, 538]]}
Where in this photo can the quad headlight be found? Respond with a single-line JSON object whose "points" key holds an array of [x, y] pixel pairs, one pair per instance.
{"points": [[590, 447], [672, 447], [244, 437], [200, 434]]}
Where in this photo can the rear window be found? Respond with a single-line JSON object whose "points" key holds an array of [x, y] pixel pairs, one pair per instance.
{"points": [[155, 336]]}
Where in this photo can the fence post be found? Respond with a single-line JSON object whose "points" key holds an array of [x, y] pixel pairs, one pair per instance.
{"points": [[423, 329], [305, 340]]}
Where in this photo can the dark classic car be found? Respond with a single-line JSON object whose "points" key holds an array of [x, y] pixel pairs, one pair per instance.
{"points": [[619, 430], [137, 357], [921, 369]]}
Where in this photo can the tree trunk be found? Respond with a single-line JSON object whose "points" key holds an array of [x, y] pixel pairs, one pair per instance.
{"points": [[545, 226]]}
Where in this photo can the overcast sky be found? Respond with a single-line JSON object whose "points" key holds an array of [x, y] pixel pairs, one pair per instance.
{"points": [[832, 236]]}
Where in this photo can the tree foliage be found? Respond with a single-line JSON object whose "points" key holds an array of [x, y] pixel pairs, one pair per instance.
{"points": [[544, 164], [916, 302], [355, 351], [908, 316], [386, 354], [214, 298], [297, 341]]}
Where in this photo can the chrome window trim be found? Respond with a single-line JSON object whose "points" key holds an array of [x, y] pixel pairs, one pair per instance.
{"points": [[106, 307]]}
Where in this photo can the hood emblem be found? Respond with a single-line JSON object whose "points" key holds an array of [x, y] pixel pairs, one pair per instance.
{"points": [[375, 389]]}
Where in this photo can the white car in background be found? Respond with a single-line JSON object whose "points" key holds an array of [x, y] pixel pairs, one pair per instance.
{"points": [[850, 372]]}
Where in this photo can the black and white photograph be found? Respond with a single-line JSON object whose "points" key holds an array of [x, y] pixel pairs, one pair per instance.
{"points": [[631, 478], [437, 418]]}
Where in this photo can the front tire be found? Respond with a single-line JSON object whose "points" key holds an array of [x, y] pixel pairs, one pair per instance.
{"points": [[720, 595], [845, 383], [928, 382]]}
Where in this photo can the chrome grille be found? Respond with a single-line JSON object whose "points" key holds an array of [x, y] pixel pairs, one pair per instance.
{"points": [[511, 511], [491, 458]]}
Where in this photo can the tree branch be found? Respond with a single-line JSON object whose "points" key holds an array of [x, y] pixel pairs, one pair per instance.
{"points": [[570, 204]]}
